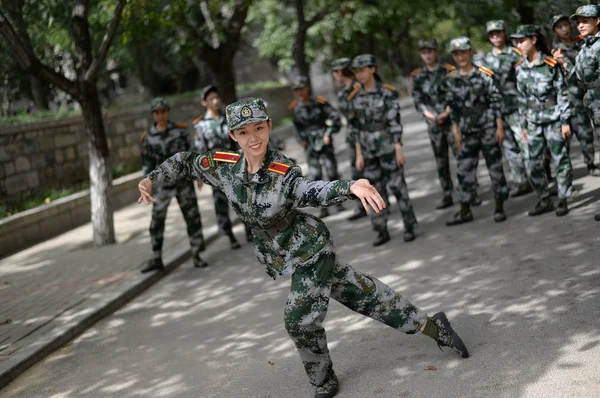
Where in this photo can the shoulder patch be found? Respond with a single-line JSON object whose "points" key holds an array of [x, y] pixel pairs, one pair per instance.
{"points": [[205, 162], [293, 104], [449, 75], [580, 37], [449, 67], [353, 93], [180, 125], [227, 157], [392, 88], [486, 70], [144, 134], [416, 72], [550, 61], [321, 100], [519, 62], [279, 168], [196, 120], [517, 51]]}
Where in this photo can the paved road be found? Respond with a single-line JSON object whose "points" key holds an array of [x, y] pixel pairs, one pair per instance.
{"points": [[523, 294]]}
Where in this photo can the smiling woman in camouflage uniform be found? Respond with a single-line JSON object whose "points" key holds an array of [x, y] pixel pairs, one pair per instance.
{"points": [[377, 132], [266, 189], [545, 108]]}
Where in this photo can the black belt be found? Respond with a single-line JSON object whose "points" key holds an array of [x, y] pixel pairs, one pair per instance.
{"points": [[541, 106], [271, 232]]}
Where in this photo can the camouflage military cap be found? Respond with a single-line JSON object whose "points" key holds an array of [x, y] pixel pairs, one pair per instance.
{"points": [[556, 19], [299, 82], [341, 63], [589, 10], [460, 43], [159, 104], [207, 90], [428, 43], [526, 31], [360, 61], [495, 25], [248, 110]]}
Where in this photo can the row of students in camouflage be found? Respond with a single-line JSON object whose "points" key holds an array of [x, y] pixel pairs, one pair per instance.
{"points": [[163, 140], [316, 121], [266, 190]]}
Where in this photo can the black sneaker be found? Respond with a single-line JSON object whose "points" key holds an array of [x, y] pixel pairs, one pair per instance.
{"points": [[541, 207], [562, 209], [499, 216], [444, 203], [459, 218], [520, 190], [324, 213], [447, 337], [476, 201], [199, 262], [358, 215], [154, 263], [329, 389], [382, 237], [409, 235], [202, 246]]}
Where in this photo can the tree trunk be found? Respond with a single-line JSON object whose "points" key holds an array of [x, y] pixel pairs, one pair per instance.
{"points": [[300, 54], [100, 168], [221, 65], [38, 93]]}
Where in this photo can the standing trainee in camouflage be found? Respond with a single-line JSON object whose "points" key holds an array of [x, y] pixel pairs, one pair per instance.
{"points": [[266, 190], [212, 134], [586, 72], [502, 60], [430, 100], [316, 121], [476, 117], [566, 49], [343, 75], [377, 132], [544, 106], [163, 140]]}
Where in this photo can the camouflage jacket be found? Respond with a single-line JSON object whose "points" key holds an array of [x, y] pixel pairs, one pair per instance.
{"points": [[570, 54], [377, 124], [157, 146], [586, 72], [315, 120], [503, 65], [212, 134], [345, 96], [474, 100], [429, 89], [263, 199], [543, 95]]}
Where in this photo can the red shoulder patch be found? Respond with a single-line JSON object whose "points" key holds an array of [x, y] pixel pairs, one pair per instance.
{"points": [[450, 74], [144, 134], [517, 51], [449, 67], [389, 87], [550, 61], [321, 100], [293, 104], [486, 70], [279, 168], [227, 157], [196, 120], [180, 125], [519, 62], [357, 87], [416, 72]]}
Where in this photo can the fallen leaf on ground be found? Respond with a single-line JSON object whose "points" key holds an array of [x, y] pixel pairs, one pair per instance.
{"points": [[431, 367], [271, 363], [6, 321]]}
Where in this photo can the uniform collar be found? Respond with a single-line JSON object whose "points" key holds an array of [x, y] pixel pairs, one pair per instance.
{"points": [[153, 129], [506, 50], [376, 90], [591, 39], [208, 116], [262, 176]]}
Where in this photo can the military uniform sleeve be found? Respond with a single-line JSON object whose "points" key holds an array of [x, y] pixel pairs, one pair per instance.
{"points": [[148, 159], [562, 93], [522, 98], [418, 94], [494, 96], [186, 166], [308, 193], [393, 116], [334, 119], [200, 141], [450, 101]]}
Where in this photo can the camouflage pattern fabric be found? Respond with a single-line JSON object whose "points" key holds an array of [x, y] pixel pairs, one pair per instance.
{"points": [[248, 110], [475, 104], [383, 173], [589, 10], [323, 160], [308, 300], [156, 147], [364, 60], [429, 94], [544, 104], [586, 73], [159, 104]]}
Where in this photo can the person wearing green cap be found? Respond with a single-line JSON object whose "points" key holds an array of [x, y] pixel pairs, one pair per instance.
{"points": [[565, 50], [340, 69], [377, 132], [316, 121], [502, 59], [267, 190], [476, 116], [212, 134], [545, 108], [163, 140]]}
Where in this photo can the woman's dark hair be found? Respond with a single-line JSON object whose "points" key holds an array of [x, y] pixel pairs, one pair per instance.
{"points": [[542, 44], [347, 73], [377, 77]]}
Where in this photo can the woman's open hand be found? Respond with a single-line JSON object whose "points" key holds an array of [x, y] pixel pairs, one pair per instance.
{"points": [[367, 193]]}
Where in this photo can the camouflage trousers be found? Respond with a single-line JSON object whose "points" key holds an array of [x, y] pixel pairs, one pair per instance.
{"points": [[442, 139], [383, 173], [591, 102], [324, 159], [581, 127], [515, 148], [355, 174], [473, 143], [540, 137], [186, 197], [308, 300], [222, 212]]}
